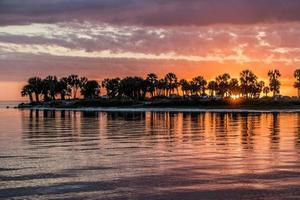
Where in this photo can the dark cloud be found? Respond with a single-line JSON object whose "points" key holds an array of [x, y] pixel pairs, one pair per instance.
{"points": [[150, 12]]}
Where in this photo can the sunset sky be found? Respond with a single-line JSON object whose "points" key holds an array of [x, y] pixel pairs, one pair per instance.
{"points": [[107, 38]]}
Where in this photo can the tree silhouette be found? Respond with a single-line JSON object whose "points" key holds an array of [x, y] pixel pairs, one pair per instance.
{"points": [[133, 87], [152, 81], [297, 83], [274, 83], [51, 83], [248, 83], [185, 87], [162, 87], [37, 86], [137, 87], [63, 88], [90, 89], [198, 85], [223, 84], [266, 90], [212, 87], [234, 87], [74, 82], [45, 90], [257, 89], [27, 90], [112, 86], [82, 81], [171, 81]]}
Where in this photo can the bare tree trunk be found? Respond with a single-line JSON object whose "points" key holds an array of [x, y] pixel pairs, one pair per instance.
{"points": [[30, 98], [75, 93], [37, 97]]}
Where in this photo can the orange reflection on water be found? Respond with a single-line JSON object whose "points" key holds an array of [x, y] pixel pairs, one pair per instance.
{"points": [[225, 150]]}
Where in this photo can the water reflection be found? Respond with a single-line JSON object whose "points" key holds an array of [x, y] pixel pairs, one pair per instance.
{"points": [[275, 131], [158, 155], [224, 131], [222, 127], [297, 131]]}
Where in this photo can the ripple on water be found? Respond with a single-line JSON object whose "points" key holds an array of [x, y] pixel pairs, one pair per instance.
{"points": [[149, 155]]}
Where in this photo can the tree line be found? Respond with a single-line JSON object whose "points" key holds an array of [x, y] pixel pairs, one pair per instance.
{"points": [[51, 87], [223, 86]]}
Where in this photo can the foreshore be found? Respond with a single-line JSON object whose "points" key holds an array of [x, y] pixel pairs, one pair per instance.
{"points": [[170, 105]]}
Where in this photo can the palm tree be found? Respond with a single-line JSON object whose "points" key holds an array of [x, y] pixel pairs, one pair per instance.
{"points": [[82, 81], [51, 84], [266, 90], [90, 89], [133, 87], [234, 88], [74, 82], [27, 90], [171, 83], [248, 82], [274, 82], [112, 86], [152, 82], [63, 88], [199, 85], [257, 89], [297, 83], [37, 86], [212, 87], [223, 84], [162, 87], [45, 90], [185, 87]]}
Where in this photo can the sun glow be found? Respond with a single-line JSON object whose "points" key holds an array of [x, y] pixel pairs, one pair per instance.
{"points": [[235, 97]]}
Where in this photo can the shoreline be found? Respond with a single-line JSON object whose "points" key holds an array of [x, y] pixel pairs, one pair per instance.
{"points": [[168, 105], [175, 110]]}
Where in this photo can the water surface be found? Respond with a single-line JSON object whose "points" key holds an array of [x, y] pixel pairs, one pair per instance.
{"points": [[149, 155]]}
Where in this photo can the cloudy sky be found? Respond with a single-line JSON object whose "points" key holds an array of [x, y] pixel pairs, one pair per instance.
{"points": [[107, 38]]}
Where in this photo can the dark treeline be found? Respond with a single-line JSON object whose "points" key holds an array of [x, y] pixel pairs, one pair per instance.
{"points": [[223, 86], [51, 87]]}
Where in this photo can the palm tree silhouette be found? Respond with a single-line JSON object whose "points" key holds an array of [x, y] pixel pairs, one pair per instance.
{"points": [[198, 85], [112, 86], [51, 84], [185, 87], [266, 90], [45, 90], [63, 88], [234, 87], [212, 87], [137, 87], [248, 83], [152, 81], [223, 84], [74, 82], [297, 83], [27, 90], [257, 89], [171, 81], [274, 82], [133, 87], [90, 89], [37, 86], [162, 87], [82, 81]]}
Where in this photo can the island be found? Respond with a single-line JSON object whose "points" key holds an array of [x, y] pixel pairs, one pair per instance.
{"points": [[224, 92]]}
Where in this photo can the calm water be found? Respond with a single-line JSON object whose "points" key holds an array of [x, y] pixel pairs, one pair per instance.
{"points": [[111, 155]]}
